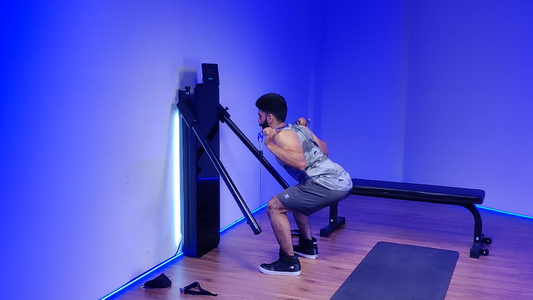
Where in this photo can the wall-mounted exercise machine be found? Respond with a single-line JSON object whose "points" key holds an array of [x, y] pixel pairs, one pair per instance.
{"points": [[202, 169], [201, 190]]}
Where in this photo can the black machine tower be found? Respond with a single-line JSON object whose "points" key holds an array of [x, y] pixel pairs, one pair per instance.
{"points": [[202, 169]]}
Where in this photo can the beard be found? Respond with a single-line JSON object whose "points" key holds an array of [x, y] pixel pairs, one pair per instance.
{"points": [[264, 124]]}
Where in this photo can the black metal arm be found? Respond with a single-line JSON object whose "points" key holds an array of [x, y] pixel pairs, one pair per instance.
{"points": [[224, 117]]}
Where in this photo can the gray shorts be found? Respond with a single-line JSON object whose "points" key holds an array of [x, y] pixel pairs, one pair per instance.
{"points": [[310, 197]]}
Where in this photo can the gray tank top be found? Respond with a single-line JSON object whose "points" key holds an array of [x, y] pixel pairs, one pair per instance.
{"points": [[318, 166]]}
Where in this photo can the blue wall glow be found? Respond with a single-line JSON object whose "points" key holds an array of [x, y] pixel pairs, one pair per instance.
{"points": [[507, 213], [139, 280], [86, 171]]}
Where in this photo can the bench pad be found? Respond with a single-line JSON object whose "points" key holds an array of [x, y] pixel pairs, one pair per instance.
{"points": [[417, 192]]}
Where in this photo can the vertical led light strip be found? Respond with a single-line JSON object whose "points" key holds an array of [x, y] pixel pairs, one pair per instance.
{"points": [[176, 159]]}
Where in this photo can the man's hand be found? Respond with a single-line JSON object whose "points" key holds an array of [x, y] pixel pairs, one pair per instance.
{"points": [[302, 121], [269, 134]]}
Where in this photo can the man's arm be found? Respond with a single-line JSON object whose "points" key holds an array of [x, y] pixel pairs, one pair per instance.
{"points": [[285, 145], [323, 146]]}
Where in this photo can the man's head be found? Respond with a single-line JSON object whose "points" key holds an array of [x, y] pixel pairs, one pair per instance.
{"points": [[271, 104]]}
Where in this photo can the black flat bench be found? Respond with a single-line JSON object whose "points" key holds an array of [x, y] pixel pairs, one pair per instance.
{"points": [[467, 198]]}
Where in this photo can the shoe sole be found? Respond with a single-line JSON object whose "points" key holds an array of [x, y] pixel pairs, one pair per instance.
{"points": [[286, 273], [315, 256]]}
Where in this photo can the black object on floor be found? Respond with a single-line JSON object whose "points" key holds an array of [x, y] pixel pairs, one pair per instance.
{"points": [[199, 290], [397, 271], [160, 282]]}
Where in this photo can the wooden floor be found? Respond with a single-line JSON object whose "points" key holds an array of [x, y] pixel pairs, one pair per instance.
{"points": [[231, 270]]}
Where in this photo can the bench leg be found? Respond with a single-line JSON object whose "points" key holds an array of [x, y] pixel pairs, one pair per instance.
{"points": [[479, 238], [334, 221]]}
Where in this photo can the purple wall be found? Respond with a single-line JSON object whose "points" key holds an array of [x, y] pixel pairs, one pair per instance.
{"points": [[470, 99], [431, 93], [364, 86]]}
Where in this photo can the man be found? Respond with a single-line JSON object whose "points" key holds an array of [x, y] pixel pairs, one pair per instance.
{"points": [[321, 182]]}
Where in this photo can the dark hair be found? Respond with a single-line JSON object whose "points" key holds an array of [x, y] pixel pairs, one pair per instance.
{"points": [[273, 104]]}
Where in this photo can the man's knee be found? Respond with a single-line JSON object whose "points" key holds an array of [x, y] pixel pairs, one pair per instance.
{"points": [[274, 205]]}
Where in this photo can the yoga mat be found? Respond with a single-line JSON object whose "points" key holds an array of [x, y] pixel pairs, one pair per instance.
{"points": [[397, 271]]}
